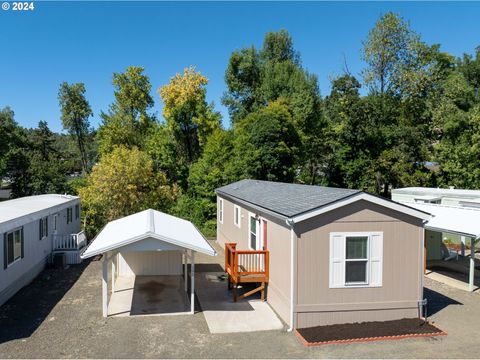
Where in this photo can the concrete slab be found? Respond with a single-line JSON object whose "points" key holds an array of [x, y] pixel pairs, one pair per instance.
{"points": [[225, 316], [450, 281], [148, 295]]}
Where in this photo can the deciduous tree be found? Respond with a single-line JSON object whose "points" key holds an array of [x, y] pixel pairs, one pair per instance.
{"points": [[124, 182], [76, 111], [128, 119]]}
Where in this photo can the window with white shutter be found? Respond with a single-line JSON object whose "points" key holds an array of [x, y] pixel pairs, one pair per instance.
{"points": [[356, 259]]}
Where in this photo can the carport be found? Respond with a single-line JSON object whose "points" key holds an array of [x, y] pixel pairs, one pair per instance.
{"points": [[150, 244], [461, 221]]}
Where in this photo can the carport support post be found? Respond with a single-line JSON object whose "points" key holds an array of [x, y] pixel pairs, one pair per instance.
{"points": [[192, 283], [113, 275], [185, 257], [462, 245], [105, 285], [472, 265]]}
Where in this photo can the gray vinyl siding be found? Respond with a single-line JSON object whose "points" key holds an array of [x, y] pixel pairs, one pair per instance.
{"points": [[36, 251]]}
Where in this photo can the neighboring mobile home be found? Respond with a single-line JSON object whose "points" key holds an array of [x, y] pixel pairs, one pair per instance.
{"points": [[335, 255], [31, 230], [450, 197]]}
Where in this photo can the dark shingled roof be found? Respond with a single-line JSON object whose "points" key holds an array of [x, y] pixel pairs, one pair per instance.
{"points": [[285, 199]]}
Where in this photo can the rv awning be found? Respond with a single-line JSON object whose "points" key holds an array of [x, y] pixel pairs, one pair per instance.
{"points": [[148, 224], [451, 219]]}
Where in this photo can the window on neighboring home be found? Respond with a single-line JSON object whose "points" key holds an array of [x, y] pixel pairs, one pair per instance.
{"points": [[236, 215], [43, 228], [55, 220], [252, 232], [77, 211], [220, 211], [13, 246], [69, 215], [356, 259]]}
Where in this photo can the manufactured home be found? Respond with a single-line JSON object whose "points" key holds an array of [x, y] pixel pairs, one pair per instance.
{"points": [[323, 255], [32, 229]]}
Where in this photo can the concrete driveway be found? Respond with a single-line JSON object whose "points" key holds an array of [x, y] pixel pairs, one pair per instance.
{"points": [[60, 316]]}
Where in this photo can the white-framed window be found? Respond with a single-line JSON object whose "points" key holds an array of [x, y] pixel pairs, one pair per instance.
{"points": [[43, 228], [55, 222], [13, 247], [69, 215], [356, 259], [252, 231], [220, 211], [237, 215]]}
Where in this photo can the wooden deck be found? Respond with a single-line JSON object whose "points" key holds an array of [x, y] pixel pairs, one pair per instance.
{"points": [[246, 266]]}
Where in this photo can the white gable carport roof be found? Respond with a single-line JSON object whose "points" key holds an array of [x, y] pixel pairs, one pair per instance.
{"points": [[146, 225], [451, 219]]}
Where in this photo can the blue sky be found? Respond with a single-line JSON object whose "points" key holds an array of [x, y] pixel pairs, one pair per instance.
{"points": [[88, 41]]}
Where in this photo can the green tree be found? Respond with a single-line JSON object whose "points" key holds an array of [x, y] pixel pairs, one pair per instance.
{"points": [[456, 117], [128, 121], [76, 111], [257, 78], [214, 169], [401, 72], [188, 115], [124, 182], [47, 172], [267, 143], [14, 150], [164, 150]]}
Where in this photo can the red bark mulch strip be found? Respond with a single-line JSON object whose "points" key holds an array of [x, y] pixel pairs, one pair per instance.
{"points": [[367, 331]]}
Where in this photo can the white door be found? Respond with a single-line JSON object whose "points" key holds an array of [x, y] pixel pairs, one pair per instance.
{"points": [[253, 232]]}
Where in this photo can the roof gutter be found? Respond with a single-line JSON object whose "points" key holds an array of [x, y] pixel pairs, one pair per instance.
{"points": [[293, 265]]}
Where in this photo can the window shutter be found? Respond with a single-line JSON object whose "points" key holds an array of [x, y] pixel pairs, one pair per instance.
{"points": [[376, 259], [337, 261], [5, 251], [22, 242]]}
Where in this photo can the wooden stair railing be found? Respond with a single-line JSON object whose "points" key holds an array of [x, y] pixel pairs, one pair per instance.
{"points": [[246, 266]]}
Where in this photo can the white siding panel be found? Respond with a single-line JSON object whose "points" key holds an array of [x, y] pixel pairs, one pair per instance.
{"points": [[150, 263]]}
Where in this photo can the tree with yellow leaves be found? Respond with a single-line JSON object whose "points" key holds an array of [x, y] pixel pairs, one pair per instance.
{"points": [[123, 183], [187, 113]]}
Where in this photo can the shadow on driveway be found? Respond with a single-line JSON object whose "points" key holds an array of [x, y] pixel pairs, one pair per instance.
{"points": [[437, 301], [22, 314]]}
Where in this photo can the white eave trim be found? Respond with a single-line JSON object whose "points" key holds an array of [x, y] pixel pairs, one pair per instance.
{"points": [[367, 197]]}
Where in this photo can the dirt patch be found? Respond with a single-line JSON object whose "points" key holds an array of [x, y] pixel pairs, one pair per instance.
{"points": [[368, 330]]}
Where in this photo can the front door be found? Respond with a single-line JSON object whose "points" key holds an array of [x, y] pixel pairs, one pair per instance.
{"points": [[253, 232], [257, 232]]}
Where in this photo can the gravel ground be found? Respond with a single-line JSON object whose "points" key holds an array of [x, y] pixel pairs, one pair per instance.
{"points": [[59, 315]]}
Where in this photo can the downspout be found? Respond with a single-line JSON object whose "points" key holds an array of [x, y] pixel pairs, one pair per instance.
{"points": [[422, 303], [291, 224]]}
